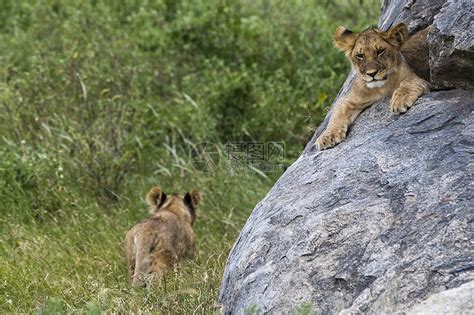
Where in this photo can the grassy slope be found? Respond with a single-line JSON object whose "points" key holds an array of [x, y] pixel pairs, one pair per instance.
{"points": [[100, 100]]}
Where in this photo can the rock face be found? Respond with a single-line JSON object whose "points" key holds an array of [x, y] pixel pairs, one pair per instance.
{"points": [[454, 301], [377, 224], [418, 14], [451, 44], [372, 226]]}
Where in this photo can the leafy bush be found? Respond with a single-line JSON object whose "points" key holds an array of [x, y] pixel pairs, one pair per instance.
{"points": [[100, 100]]}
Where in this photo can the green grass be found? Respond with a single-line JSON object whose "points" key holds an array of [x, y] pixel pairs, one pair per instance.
{"points": [[100, 100]]}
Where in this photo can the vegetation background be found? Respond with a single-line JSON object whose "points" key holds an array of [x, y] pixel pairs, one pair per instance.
{"points": [[100, 100]]}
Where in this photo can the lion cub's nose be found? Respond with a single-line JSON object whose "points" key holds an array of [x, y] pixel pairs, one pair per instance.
{"points": [[371, 73]]}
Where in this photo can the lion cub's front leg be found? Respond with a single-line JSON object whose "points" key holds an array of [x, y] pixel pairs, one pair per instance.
{"points": [[344, 113], [407, 94]]}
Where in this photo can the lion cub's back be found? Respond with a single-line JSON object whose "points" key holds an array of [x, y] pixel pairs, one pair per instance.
{"points": [[158, 231]]}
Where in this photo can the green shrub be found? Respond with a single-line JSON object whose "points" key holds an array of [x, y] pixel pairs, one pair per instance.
{"points": [[101, 100]]}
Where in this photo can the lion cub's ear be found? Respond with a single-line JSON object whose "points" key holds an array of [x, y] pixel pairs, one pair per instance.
{"points": [[344, 39], [193, 198], [397, 35], [155, 197]]}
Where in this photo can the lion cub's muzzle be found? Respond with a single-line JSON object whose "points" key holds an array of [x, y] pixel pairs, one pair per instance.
{"points": [[374, 77]]}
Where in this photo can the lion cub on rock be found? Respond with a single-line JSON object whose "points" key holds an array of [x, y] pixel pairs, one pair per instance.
{"points": [[155, 244], [383, 63]]}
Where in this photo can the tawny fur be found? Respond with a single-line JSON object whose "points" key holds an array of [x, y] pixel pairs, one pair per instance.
{"points": [[154, 245], [384, 64]]}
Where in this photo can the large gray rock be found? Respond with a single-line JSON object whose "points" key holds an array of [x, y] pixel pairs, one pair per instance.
{"points": [[375, 225], [454, 301], [451, 43], [417, 13]]}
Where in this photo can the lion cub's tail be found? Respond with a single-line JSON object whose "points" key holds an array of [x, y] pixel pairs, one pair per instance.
{"points": [[141, 266], [148, 265]]}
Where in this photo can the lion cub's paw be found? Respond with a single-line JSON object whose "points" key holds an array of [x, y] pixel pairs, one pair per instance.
{"points": [[401, 101], [330, 138]]}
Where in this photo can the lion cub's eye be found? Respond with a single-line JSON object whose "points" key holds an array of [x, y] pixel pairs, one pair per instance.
{"points": [[380, 52], [359, 56]]}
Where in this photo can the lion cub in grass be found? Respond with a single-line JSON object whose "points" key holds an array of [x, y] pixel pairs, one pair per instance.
{"points": [[155, 244], [384, 63]]}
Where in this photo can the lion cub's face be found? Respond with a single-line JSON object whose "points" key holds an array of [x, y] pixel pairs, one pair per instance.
{"points": [[374, 54]]}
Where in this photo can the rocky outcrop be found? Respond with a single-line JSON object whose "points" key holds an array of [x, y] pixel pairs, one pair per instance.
{"points": [[454, 301], [374, 225], [418, 14], [451, 42], [377, 224]]}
